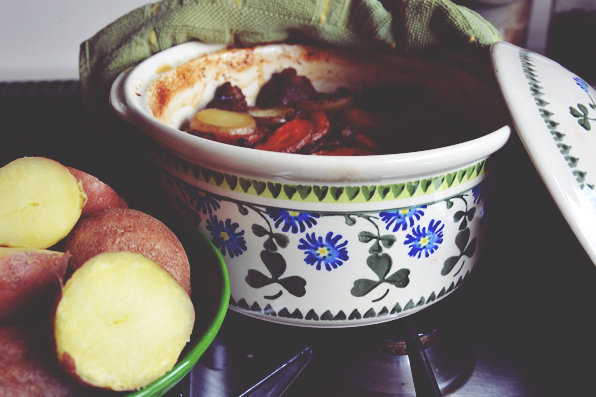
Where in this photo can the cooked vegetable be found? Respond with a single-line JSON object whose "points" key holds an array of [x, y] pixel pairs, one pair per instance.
{"points": [[272, 116], [122, 321], [28, 363], [40, 202], [226, 126], [117, 327], [290, 137], [99, 195], [121, 229], [30, 280], [320, 125], [390, 118]]}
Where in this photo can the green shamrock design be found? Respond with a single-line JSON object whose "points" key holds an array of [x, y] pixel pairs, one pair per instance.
{"points": [[381, 265], [276, 265]]}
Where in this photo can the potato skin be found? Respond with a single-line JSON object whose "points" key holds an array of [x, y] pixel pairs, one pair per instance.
{"points": [[29, 281], [27, 367], [124, 229], [99, 195]]}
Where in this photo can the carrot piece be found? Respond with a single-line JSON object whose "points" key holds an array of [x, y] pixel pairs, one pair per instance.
{"points": [[290, 137], [320, 125]]}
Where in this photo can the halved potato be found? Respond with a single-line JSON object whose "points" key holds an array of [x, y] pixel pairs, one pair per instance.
{"points": [[40, 202], [122, 322]]}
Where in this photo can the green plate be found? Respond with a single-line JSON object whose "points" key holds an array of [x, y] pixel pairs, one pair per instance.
{"points": [[210, 293]]}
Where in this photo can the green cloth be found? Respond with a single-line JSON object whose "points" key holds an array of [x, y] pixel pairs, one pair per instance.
{"points": [[402, 26]]}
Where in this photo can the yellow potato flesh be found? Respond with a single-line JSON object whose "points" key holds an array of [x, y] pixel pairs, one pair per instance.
{"points": [[123, 320], [217, 121], [40, 202]]}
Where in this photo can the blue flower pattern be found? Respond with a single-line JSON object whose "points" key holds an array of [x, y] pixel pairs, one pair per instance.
{"points": [[293, 221], [225, 237], [203, 202], [582, 84], [425, 241], [329, 252], [402, 217], [479, 191]]}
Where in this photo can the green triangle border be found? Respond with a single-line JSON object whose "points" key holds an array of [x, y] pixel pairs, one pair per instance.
{"points": [[320, 193]]}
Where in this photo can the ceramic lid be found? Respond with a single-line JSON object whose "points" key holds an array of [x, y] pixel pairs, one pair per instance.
{"points": [[555, 116]]}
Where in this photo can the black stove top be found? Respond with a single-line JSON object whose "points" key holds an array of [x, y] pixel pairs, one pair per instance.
{"points": [[521, 325]]}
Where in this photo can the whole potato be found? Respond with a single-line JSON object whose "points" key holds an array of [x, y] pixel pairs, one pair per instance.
{"points": [[29, 281], [99, 195], [124, 229], [27, 363]]}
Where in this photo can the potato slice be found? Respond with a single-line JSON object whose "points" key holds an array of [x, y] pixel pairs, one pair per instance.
{"points": [[40, 202], [272, 116], [225, 125], [122, 322], [29, 281]]}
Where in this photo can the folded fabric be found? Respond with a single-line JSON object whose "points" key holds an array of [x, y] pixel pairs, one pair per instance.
{"points": [[401, 26]]}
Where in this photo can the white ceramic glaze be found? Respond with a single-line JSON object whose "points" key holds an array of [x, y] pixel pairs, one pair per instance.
{"points": [[555, 115], [404, 230]]}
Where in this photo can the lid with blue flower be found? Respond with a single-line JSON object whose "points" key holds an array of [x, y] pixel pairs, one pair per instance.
{"points": [[554, 113]]}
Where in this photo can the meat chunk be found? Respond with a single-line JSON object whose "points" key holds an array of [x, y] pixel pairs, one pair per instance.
{"points": [[229, 97], [285, 88]]}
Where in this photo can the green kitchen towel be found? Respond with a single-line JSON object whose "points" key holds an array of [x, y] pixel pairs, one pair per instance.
{"points": [[401, 26]]}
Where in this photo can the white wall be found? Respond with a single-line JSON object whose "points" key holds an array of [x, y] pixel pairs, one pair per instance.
{"points": [[40, 38]]}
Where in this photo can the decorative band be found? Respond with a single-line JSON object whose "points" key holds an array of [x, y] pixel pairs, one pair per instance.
{"points": [[319, 193]]}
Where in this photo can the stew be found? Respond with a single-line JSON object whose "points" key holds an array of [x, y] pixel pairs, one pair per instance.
{"points": [[291, 116]]}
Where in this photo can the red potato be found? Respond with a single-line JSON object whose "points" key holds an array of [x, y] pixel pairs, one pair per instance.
{"points": [[121, 322], [122, 229], [40, 202], [99, 195], [29, 281], [28, 366]]}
